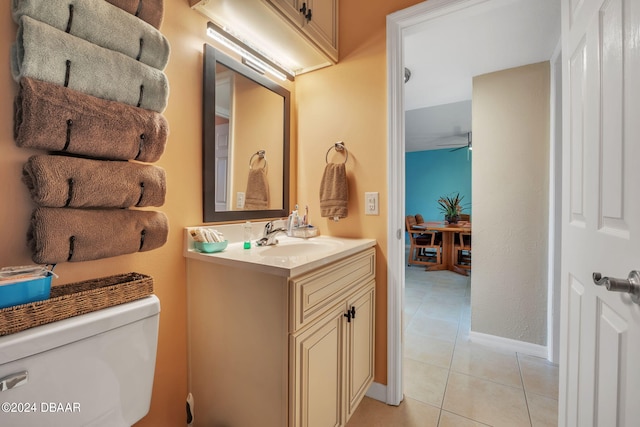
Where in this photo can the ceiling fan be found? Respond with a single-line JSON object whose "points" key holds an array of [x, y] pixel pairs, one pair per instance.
{"points": [[467, 145]]}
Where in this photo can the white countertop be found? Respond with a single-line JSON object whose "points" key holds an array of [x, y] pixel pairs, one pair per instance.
{"points": [[269, 260]]}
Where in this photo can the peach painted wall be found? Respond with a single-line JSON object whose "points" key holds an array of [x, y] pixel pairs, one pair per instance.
{"points": [[185, 30], [344, 102], [348, 102]]}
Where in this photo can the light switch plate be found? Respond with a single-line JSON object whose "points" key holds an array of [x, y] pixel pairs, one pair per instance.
{"points": [[239, 200], [371, 203]]}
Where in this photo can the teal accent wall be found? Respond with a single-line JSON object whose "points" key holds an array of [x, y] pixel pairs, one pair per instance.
{"points": [[434, 173]]}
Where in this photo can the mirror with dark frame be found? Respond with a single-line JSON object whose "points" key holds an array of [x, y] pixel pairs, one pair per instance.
{"points": [[245, 168]]}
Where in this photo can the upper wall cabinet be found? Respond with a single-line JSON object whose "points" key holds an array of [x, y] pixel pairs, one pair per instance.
{"points": [[301, 36], [317, 19]]}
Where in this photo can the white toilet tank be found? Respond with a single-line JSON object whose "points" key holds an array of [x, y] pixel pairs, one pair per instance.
{"points": [[90, 370]]}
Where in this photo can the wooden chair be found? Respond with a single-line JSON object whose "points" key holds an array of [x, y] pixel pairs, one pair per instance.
{"points": [[425, 245], [462, 250]]}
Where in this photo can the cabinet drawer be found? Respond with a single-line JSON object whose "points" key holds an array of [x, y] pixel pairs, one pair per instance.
{"points": [[314, 293]]}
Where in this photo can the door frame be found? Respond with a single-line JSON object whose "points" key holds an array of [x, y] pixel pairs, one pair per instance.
{"points": [[397, 23]]}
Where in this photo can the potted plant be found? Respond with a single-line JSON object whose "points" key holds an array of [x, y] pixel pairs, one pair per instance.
{"points": [[451, 207]]}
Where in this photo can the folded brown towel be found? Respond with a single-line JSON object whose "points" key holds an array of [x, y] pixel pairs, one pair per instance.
{"points": [[63, 181], [334, 191], [150, 11], [55, 118], [63, 234], [257, 194]]}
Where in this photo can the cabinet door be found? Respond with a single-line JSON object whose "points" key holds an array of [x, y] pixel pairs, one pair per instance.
{"points": [[322, 28], [291, 9], [318, 364], [360, 337], [317, 19]]}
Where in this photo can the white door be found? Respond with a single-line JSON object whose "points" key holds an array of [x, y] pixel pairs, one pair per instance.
{"points": [[600, 333], [223, 202]]}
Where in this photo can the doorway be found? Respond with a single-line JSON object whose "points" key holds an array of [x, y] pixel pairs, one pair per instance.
{"points": [[398, 25]]}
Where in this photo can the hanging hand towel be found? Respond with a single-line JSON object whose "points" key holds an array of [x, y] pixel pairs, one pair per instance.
{"points": [[100, 23], [334, 191], [150, 11], [257, 194], [45, 53], [63, 181], [54, 118], [62, 234]]}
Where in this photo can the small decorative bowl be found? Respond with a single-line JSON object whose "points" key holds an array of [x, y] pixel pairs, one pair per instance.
{"points": [[211, 247]]}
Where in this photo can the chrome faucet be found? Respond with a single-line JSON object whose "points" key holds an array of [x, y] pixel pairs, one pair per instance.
{"points": [[269, 235]]}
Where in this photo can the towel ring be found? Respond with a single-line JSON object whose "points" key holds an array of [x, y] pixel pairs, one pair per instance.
{"points": [[261, 155], [339, 147]]}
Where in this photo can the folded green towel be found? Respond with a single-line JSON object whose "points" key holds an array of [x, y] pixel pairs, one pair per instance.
{"points": [[46, 53], [63, 181], [150, 11], [55, 118], [100, 23], [63, 234]]}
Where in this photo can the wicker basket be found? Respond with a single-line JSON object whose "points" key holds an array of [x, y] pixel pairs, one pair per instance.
{"points": [[74, 299]]}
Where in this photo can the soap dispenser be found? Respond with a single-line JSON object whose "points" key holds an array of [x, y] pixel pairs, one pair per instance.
{"points": [[292, 223]]}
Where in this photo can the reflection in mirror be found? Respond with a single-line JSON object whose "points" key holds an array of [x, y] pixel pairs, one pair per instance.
{"points": [[245, 142]]}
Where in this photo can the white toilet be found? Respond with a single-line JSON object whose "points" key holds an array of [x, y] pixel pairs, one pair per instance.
{"points": [[90, 370]]}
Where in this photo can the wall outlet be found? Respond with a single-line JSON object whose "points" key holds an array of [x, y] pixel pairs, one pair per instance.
{"points": [[371, 203], [240, 200]]}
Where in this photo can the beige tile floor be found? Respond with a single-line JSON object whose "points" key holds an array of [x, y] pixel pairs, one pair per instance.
{"points": [[452, 382]]}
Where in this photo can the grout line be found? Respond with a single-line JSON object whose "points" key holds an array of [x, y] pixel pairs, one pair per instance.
{"points": [[524, 389], [462, 416]]}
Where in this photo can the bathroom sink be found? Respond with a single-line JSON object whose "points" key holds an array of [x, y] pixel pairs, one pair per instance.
{"points": [[290, 257], [296, 247]]}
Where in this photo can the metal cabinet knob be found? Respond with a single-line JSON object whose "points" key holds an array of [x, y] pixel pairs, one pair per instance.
{"points": [[630, 285]]}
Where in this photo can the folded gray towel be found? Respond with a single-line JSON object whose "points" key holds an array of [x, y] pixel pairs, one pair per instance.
{"points": [[62, 181], [100, 23], [150, 11], [55, 118], [63, 234], [46, 53]]}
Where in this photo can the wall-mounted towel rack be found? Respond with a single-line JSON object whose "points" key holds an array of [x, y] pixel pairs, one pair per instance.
{"points": [[262, 154], [339, 147]]}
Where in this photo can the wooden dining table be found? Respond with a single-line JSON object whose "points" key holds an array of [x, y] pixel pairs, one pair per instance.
{"points": [[448, 233]]}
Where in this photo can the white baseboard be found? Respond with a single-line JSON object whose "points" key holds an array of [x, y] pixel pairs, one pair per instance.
{"points": [[377, 391], [509, 344]]}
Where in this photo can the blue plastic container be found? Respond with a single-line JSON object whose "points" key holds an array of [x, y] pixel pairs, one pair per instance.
{"points": [[25, 292], [210, 247]]}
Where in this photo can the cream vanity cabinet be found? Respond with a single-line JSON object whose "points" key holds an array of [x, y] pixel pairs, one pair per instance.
{"points": [[316, 19], [273, 350]]}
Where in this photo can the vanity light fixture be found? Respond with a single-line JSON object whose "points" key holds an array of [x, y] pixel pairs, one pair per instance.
{"points": [[253, 58]]}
